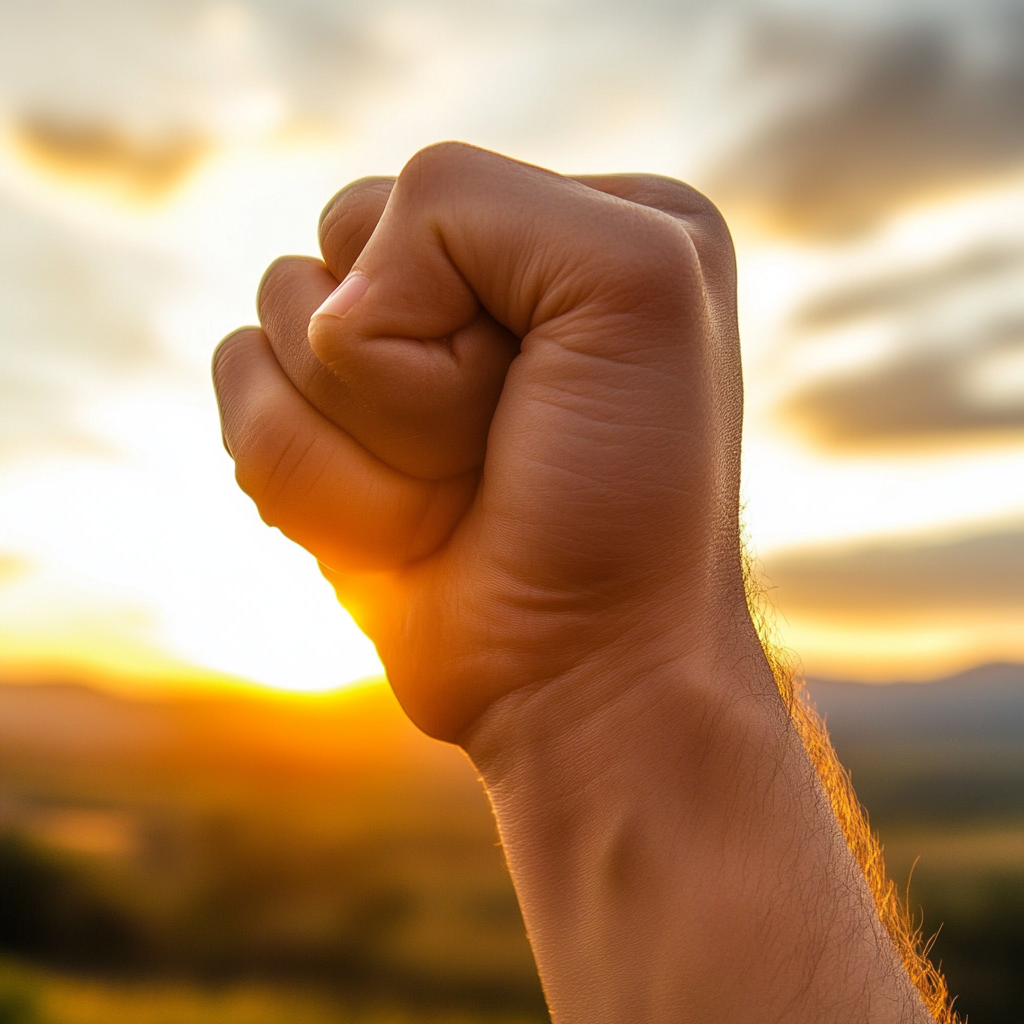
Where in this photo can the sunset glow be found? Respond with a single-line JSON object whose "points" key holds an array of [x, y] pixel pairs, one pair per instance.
{"points": [[127, 551]]}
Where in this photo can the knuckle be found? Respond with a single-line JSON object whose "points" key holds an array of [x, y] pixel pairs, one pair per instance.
{"points": [[271, 280], [708, 226], [274, 469], [672, 195], [355, 192], [661, 272], [705, 221], [229, 350], [444, 153], [278, 277], [669, 249], [688, 255], [711, 230], [437, 164], [349, 219]]}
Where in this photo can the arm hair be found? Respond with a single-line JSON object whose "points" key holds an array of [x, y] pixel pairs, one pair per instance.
{"points": [[894, 911]]}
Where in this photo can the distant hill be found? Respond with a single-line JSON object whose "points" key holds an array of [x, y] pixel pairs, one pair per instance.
{"points": [[347, 734], [952, 749], [954, 746], [984, 703], [69, 719], [364, 728]]}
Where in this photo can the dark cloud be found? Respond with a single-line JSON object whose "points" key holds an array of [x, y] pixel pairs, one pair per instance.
{"points": [[919, 399], [882, 118], [979, 573], [896, 291], [952, 324]]}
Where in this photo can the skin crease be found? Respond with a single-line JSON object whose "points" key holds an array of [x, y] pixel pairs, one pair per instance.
{"points": [[517, 459]]}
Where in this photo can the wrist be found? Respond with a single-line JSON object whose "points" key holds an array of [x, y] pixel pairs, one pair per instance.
{"points": [[674, 854], [629, 667]]}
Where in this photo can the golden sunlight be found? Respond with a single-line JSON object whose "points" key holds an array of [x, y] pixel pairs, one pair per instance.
{"points": [[127, 554], [125, 547]]}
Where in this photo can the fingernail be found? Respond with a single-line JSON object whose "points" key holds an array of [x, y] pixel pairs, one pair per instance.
{"points": [[344, 297]]}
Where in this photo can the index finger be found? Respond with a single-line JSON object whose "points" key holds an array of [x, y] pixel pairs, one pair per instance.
{"points": [[349, 219]]}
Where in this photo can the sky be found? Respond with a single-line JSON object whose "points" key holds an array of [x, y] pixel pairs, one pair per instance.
{"points": [[155, 155]]}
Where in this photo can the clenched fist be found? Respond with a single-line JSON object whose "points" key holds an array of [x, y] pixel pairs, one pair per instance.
{"points": [[512, 436]]}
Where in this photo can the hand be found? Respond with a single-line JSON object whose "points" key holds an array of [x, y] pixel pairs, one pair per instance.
{"points": [[518, 451]]}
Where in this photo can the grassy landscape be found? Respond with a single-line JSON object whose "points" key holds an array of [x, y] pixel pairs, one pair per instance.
{"points": [[29, 995], [242, 859], [940, 768], [189, 846]]}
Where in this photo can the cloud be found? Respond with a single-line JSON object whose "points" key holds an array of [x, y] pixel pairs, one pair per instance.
{"points": [[139, 168], [896, 291], [980, 573], [877, 118], [75, 316], [919, 399], [147, 85], [951, 364]]}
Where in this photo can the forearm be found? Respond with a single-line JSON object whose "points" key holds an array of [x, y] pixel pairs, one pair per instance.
{"points": [[675, 855]]}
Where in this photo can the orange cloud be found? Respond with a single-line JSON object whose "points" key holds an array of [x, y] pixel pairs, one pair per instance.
{"points": [[101, 154], [979, 573]]}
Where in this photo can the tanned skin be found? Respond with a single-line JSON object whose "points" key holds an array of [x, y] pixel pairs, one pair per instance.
{"points": [[512, 441]]}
